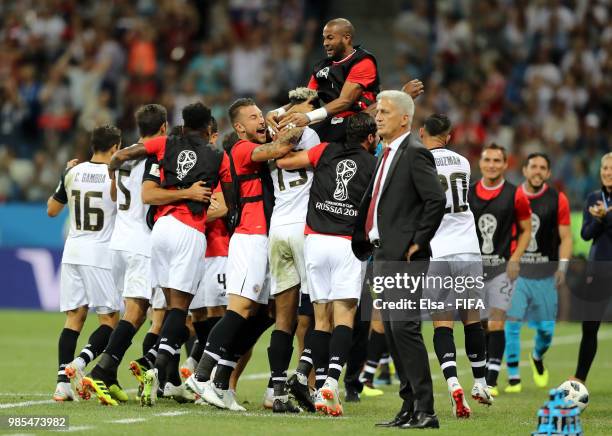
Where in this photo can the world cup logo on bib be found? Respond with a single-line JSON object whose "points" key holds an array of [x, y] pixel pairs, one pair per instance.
{"points": [[185, 162], [345, 170], [535, 226], [487, 225]]}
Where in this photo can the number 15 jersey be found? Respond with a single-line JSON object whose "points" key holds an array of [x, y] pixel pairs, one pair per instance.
{"points": [[292, 187], [457, 231], [86, 189]]}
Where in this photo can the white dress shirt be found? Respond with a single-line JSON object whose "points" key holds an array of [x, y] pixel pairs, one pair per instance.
{"points": [[393, 146]]}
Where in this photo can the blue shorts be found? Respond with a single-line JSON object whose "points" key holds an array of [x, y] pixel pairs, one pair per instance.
{"points": [[534, 300]]}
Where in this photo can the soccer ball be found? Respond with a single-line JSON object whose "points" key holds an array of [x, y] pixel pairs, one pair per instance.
{"points": [[575, 392]]}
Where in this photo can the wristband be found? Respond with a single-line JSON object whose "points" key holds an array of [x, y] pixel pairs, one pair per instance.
{"points": [[563, 264], [280, 111], [317, 115]]}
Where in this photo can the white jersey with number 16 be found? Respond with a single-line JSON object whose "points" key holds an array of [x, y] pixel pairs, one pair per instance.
{"points": [[86, 190]]}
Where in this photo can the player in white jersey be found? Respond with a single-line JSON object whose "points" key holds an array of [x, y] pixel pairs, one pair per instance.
{"points": [[455, 254], [286, 253], [131, 253], [86, 279]]}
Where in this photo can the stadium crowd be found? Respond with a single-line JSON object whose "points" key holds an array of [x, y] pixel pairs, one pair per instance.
{"points": [[528, 75]]}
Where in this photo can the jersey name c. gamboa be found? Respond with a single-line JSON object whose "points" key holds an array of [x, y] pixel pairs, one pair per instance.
{"points": [[86, 188], [457, 231], [292, 187], [131, 231]]}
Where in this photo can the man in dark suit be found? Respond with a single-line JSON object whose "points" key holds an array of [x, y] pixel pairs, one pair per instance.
{"points": [[398, 216]]}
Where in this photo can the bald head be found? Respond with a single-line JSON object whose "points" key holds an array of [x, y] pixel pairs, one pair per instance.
{"points": [[338, 38], [342, 25]]}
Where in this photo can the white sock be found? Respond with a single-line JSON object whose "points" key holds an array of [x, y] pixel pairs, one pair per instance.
{"points": [[331, 382], [302, 378], [79, 363], [453, 383], [481, 381]]}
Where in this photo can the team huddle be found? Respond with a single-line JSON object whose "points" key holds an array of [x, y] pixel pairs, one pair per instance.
{"points": [[219, 242]]}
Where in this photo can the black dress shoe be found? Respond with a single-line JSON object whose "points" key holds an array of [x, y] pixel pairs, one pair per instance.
{"points": [[401, 418], [422, 420], [351, 394]]}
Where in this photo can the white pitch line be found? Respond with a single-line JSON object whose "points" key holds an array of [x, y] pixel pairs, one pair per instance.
{"points": [[25, 404], [127, 421], [175, 413], [76, 428]]}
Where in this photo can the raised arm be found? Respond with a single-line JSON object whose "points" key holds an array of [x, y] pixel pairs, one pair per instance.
{"points": [[136, 151], [294, 160], [285, 141]]}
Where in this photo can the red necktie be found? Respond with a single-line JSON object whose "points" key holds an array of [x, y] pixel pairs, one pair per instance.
{"points": [[370, 218]]}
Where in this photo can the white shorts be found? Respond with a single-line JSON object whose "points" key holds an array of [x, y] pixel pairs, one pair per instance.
{"points": [[459, 267], [159, 299], [177, 251], [84, 285], [211, 290], [334, 273], [247, 267], [132, 274], [286, 255], [499, 292]]}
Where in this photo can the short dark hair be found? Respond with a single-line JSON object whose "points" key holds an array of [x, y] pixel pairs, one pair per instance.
{"points": [[229, 140], [176, 131], [494, 146], [104, 137], [537, 154], [437, 124], [150, 118], [359, 126], [214, 127], [233, 110], [196, 116]]}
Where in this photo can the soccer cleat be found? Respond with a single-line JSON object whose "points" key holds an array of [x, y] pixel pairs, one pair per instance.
{"points": [[351, 395], [320, 403], [494, 391], [330, 394], [195, 386], [211, 394], [540, 380], [75, 373], [138, 371], [301, 393], [370, 391], [150, 385], [459, 405], [188, 368], [179, 393], [284, 405], [268, 398], [513, 389], [231, 402], [117, 393], [482, 394], [99, 389], [63, 392]]}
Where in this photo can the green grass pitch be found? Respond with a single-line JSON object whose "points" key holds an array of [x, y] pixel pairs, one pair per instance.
{"points": [[28, 342]]}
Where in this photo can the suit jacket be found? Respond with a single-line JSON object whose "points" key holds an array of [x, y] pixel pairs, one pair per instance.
{"points": [[410, 208]]}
